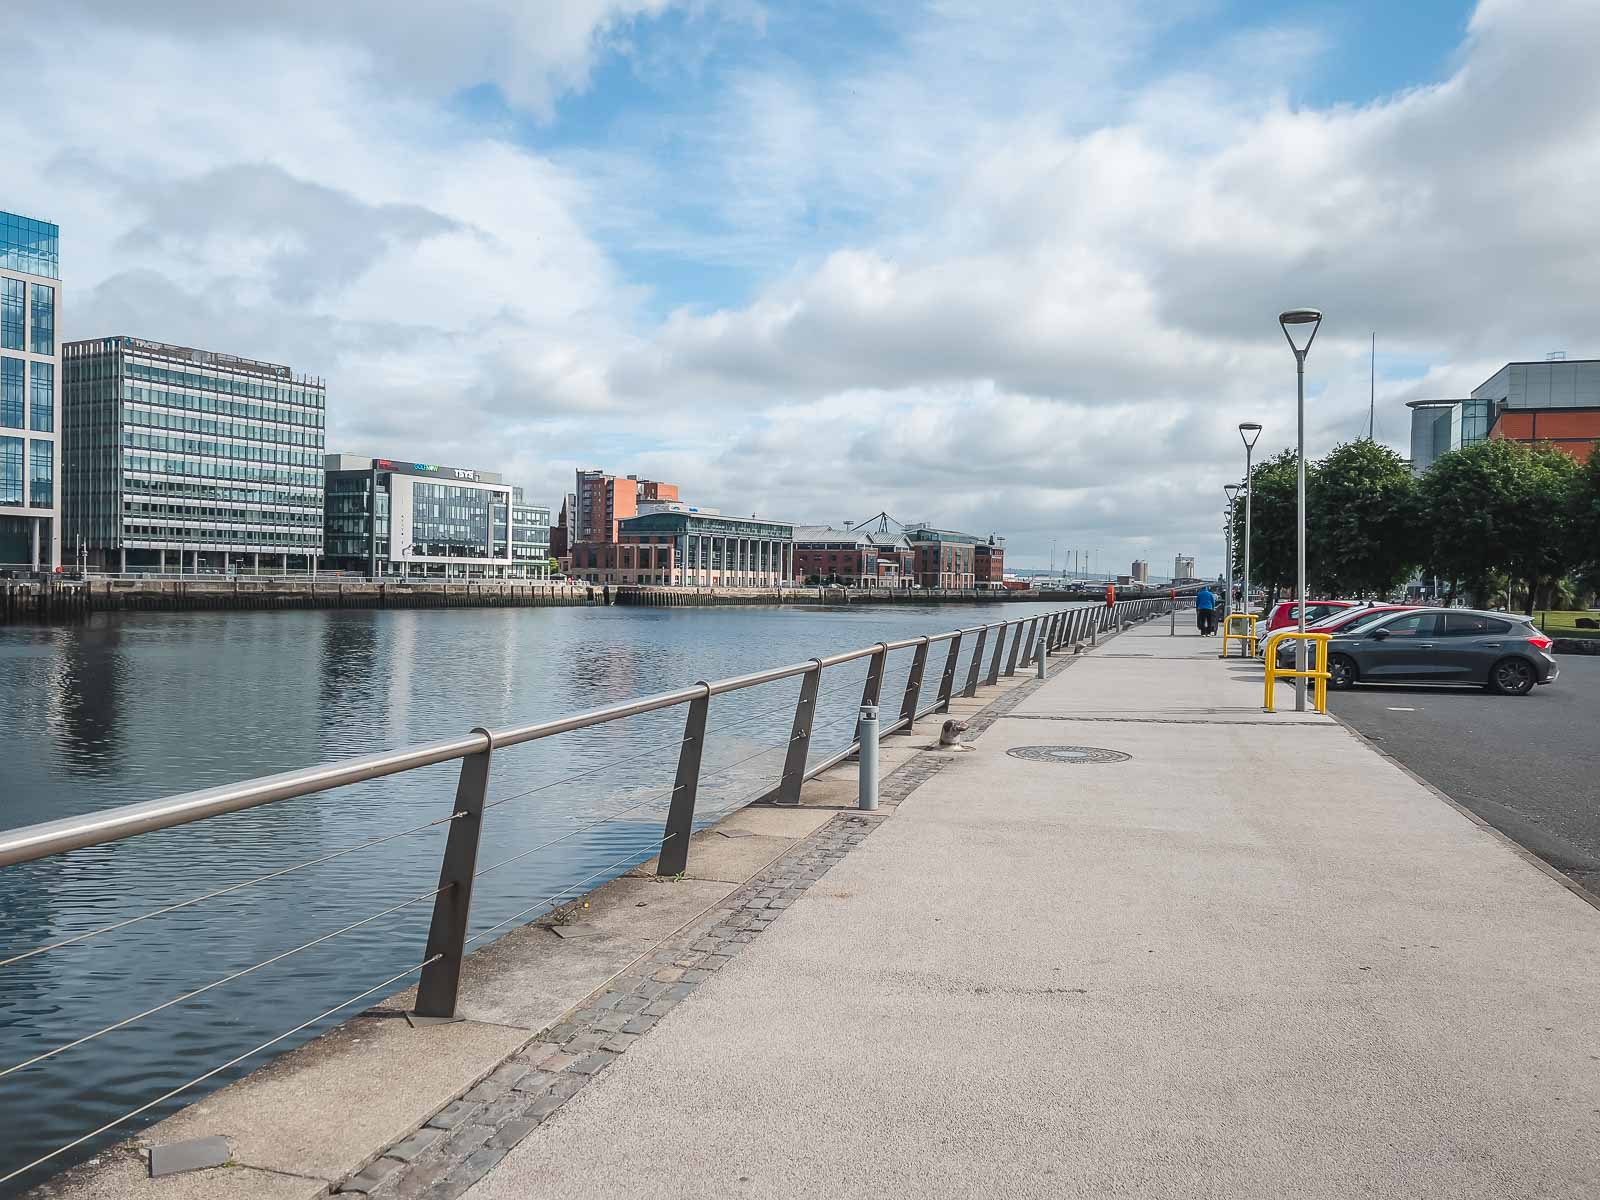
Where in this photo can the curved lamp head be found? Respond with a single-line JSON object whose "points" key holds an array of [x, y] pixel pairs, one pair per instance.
{"points": [[1249, 431], [1298, 317]]}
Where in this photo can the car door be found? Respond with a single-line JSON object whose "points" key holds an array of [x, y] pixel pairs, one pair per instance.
{"points": [[1404, 648], [1472, 643]]}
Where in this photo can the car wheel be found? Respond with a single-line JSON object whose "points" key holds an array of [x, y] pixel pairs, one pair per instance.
{"points": [[1512, 677], [1342, 672]]}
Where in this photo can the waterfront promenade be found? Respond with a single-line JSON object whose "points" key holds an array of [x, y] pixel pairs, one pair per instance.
{"points": [[1252, 958]]}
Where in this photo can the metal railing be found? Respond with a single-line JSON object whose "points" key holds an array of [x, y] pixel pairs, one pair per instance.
{"points": [[1318, 674], [932, 681]]}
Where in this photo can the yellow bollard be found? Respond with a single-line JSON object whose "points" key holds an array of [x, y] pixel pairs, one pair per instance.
{"points": [[1318, 674]]}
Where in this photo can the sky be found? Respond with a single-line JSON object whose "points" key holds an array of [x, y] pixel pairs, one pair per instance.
{"points": [[1003, 267]]}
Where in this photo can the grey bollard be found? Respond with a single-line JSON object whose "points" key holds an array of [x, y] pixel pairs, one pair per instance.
{"points": [[1038, 658], [867, 792]]}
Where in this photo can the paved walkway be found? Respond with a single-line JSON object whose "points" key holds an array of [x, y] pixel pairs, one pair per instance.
{"points": [[1253, 959]]}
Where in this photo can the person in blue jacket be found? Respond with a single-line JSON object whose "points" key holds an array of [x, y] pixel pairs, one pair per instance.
{"points": [[1205, 611]]}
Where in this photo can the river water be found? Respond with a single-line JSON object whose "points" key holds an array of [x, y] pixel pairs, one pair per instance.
{"points": [[130, 707]]}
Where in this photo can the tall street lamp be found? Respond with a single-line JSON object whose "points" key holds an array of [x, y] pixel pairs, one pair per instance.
{"points": [[1249, 431], [1295, 318], [1232, 491]]}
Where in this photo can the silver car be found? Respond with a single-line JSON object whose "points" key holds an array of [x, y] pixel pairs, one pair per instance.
{"points": [[1497, 650]]}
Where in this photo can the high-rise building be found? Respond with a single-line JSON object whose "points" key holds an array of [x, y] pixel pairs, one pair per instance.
{"points": [[30, 393], [1183, 567], [1141, 571], [603, 500], [189, 460]]}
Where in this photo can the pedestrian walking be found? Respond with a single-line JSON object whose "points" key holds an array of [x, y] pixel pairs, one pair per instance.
{"points": [[1205, 611]]}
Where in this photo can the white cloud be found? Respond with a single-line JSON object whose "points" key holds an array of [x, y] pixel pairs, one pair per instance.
{"points": [[1005, 272]]}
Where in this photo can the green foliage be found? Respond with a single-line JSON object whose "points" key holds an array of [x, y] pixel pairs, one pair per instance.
{"points": [[1363, 518], [1273, 523], [1470, 497]]}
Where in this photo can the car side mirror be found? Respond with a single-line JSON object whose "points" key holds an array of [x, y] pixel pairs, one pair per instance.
{"points": [[1379, 635]]}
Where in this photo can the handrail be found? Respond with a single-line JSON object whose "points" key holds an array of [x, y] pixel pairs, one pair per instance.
{"points": [[1318, 675]]}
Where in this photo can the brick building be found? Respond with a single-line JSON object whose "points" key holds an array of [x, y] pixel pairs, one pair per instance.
{"points": [[989, 561], [852, 557], [943, 558]]}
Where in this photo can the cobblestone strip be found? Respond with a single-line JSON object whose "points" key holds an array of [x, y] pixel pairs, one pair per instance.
{"points": [[465, 1140]]}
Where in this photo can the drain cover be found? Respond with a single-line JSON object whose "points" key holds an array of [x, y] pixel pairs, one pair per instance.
{"points": [[1068, 754]]}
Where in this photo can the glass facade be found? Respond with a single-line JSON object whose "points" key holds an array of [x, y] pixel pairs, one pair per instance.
{"points": [[454, 522], [11, 470], [41, 474], [174, 448], [29, 246], [11, 392], [42, 397], [43, 318], [13, 314], [347, 526]]}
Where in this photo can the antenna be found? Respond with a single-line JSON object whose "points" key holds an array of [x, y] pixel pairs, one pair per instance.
{"points": [[1372, 390]]}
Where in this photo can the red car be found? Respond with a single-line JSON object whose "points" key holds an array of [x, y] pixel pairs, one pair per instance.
{"points": [[1285, 613]]}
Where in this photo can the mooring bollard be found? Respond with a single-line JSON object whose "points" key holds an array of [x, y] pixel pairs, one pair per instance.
{"points": [[867, 793], [1038, 658]]}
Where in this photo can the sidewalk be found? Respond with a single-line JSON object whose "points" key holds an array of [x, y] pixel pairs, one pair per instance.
{"points": [[1253, 959]]}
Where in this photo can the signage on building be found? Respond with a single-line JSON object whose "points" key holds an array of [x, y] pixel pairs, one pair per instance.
{"points": [[405, 468]]}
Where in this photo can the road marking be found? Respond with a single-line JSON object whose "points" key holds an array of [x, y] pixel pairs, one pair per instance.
{"points": [[1392, 708]]}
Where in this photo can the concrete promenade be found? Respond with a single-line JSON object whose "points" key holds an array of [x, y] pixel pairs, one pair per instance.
{"points": [[1255, 958]]}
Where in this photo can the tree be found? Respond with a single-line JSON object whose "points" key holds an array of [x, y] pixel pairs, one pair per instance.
{"points": [[1362, 515], [1274, 521], [1542, 545], [1472, 502], [1583, 523]]}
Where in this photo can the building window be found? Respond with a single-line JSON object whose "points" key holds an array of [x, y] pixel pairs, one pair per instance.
{"points": [[11, 470], [44, 319], [42, 397], [11, 392], [42, 474], [11, 314]]}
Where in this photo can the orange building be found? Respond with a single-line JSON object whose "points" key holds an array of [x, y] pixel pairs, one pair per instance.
{"points": [[1574, 430]]}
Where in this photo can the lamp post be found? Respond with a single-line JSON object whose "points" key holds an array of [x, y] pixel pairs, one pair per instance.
{"points": [[1295, 318], [1249, 431], [1232, 490]]}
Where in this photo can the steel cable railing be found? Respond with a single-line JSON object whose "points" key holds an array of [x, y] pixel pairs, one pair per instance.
{"points": [[232, 887], [941, 666], [215, 1071]]}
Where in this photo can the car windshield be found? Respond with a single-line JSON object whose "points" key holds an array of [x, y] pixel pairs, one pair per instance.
{"points": [[1365, 623]]}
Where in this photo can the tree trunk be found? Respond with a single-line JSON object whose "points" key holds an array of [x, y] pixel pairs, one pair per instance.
{"points": [[1533, 589]]}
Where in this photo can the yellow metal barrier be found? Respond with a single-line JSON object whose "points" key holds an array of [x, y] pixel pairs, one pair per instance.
{"points": [[1318, 676], [1248, 638]]}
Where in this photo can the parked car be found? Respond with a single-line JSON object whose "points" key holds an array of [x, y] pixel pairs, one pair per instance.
{"points": [[1339, 619], [1286, 613], [1500, 651]]}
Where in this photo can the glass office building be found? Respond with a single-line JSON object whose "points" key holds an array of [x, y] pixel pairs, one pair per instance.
{"points": [[389, 517], [530, 538], [30, 394], [187, 460]]}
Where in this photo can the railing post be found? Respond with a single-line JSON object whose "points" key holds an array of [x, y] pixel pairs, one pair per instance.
{"points": [[908, 705], [947, 681], [874, 685], [1055, 630], [999, 649], [1027, 644], [674, 858], [447, 931], [976, 668], [1016, 645], [805, 715]]}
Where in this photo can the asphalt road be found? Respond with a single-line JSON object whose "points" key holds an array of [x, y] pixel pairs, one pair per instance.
{"points": [[1529, 765]]}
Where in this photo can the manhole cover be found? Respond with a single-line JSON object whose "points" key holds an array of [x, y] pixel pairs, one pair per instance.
{"points": [[1068, 754]]}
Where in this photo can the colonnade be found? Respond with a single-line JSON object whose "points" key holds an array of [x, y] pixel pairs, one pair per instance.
{"points": [[729, 560]]}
